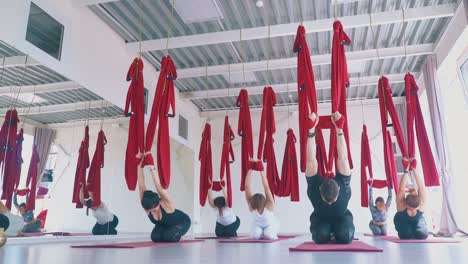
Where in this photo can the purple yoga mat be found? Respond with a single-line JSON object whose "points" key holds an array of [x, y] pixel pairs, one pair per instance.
{"points": [[137, 244], [355, 246], [219, 238], [395, 239], [252, 240]]}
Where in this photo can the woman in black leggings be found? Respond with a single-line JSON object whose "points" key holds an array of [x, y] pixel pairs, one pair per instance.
{"points": [[170, 224], [409, 220]]}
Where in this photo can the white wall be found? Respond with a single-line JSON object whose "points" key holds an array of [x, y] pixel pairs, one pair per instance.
{"points": [[122, 202], [294, 217]]}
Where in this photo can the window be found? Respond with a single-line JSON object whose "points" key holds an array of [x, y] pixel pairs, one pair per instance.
{"points": [[44, 32], [146, 100], [183, 127], [463, 72]]}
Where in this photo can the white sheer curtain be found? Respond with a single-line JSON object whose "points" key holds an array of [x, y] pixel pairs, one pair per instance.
{"points": [[448, 221], [43, 138]]}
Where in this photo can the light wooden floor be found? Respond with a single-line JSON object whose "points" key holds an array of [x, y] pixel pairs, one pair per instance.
{"points": [[213, 252]]}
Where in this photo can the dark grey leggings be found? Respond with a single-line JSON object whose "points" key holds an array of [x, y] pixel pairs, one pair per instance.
{"points": [[106, 229], [170, 233], [378, 230], [407, 230], [229, 230], [341, 228]]}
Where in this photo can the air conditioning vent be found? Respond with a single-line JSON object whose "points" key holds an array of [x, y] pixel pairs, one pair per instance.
{"points": [[183, 127]]}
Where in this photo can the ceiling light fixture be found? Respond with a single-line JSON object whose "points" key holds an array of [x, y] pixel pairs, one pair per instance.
{"points": [[259, 3]]}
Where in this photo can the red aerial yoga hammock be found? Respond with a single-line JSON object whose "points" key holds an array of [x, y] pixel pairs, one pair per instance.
{"points": [[244, 130], [163, 101], [18, 157], [366, 165], [8, 155], [227, 157], [307, 98], [31, 180], [266, 150], [94, 175], [289, 173], [136, 132], [415, 120], [80, 172], [206, 164], [388, 108]]}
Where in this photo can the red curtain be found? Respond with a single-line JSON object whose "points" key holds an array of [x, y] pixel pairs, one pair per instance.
{"points": [[244, 130], [31, 180], [227, 157], [289, 185], [8, 155], [206, 164], [80, 172]]}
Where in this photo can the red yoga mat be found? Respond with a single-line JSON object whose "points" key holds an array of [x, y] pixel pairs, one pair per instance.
{"points": [[252, 240], [137, 244], [356, 246], [395, 239], [215, 237], [35, 234]]}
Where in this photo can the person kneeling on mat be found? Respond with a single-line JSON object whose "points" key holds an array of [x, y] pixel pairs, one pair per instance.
{"points": [[265, 224], [227, 222], [16, 222], [32, 225], [409, 220], [331, 219], [106, 222], [170, 224], [378, 224]]}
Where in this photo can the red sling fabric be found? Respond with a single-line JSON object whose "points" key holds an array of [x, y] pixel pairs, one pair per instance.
{"points": [[307, 98], [366, 164], [289, 172], [206, 164], [164, 100], [388, 108], [136, 133], [8, 155], [227, 157], [18, 157], [31, 180], [244, 130], [80, 172], [415, 120], [339, 83], [266, 150], [94, 174]]}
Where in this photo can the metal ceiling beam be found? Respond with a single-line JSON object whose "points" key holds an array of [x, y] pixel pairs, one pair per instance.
{"points": [[322, 25], [283, 88], [324, 59], [58, 108], [324, 106], [92, 2], [16, 61], [41, 88]]}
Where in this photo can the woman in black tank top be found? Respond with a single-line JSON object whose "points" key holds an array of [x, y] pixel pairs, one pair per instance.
{"points": [[170, 224], [409, 220]]}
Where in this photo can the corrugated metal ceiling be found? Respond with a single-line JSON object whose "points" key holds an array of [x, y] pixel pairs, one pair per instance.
{"points": [[123, 17], [19, 76]]}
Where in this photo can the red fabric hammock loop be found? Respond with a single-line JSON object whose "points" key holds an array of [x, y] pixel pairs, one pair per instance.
{"points": [[206, 164], [289, 173], [244, 130], [80, 172], [366, 165], [387, 108], [415, 120], [8, 155], [266, 151], [136, 132], [307, 98], [31, 180], [227, 157], [164, 100], [94, 174]]}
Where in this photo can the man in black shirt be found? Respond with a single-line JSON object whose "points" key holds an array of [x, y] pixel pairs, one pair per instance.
{"points": [[331, 220]]}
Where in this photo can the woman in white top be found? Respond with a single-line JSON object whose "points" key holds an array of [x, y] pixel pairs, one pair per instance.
{"points": [[106, 222], [265, 224], [227, 222], [16, 222]]}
